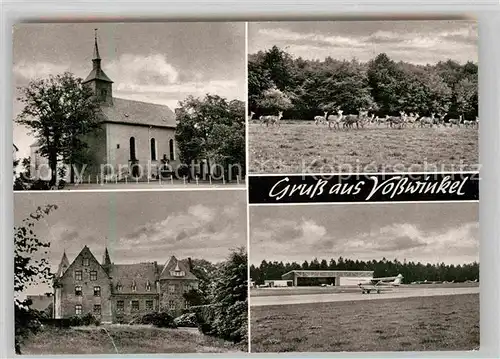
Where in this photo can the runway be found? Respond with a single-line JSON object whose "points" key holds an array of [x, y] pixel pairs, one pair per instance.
{"points": [[344, 297]]}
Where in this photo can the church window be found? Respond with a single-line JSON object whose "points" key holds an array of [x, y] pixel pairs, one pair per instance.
{"points": [[135, 305], [104, 94], [132, 149], [78, 309], [93, 275], [78, 275], [118, 146], [78, 290], [86, 262], [171, 149], [149, 305], [97, 291], [97, 309], [153, 149], [120, 305]]}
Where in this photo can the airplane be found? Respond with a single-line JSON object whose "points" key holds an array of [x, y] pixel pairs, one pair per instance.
{"points": [[380, 284]]}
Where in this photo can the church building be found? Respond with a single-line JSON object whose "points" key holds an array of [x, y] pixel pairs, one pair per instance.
{"points": [[119, 293], [135, 137]]}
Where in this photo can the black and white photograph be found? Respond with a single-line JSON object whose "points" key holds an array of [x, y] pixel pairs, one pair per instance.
{"points": [[130, 272], [128, 105], [364, 277], [363, 96]]}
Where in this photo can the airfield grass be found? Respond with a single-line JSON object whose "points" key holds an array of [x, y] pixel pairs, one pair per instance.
{"points": [[127, 339], [302, 147], [413, 324], [279, 291]]}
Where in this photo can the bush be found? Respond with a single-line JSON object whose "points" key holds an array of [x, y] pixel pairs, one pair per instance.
{"points": [[160, 320], [186, 320], [87, 319]]}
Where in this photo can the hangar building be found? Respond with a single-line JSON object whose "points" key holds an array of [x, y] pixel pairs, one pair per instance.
{"points": [[330, 277]]}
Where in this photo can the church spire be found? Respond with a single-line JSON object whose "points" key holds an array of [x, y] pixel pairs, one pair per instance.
{"points": [[96, 47], [98, 81]]}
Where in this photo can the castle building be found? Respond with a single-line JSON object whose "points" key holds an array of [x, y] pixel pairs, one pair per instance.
{"points": [[135, 136], [117, 293]]}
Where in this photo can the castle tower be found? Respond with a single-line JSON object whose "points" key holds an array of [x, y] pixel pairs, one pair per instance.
{"points": [[98, 80], [106, 261], [63, 265]]}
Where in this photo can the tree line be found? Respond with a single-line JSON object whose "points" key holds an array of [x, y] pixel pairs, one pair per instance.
{"points": [[411, 271], [305, 88]]}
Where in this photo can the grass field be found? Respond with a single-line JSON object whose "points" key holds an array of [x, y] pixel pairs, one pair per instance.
{"points": [[302, 147], [412, 324], [265, 292], [127, 339]]}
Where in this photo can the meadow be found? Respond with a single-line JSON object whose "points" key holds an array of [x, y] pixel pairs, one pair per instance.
{"points": [[303, 147], [124, 339], [413, 324]]}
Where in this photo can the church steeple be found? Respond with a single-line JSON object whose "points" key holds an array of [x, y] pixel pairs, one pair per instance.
{"points": [[97, 79], [106, 261]]}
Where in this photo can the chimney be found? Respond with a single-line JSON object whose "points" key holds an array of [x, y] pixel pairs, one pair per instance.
{"points": [[190, 264]]}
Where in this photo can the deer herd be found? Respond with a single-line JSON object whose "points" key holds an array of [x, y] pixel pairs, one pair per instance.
{"points": [[362, 119]]}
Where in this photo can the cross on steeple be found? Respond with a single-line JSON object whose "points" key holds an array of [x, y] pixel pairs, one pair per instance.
{"points": [[96, 48]]}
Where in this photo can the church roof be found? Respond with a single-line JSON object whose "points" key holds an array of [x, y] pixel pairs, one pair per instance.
{"points": [[97, 74], [139, 113], [139, 274]]}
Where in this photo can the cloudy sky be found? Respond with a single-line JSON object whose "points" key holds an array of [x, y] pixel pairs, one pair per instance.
{"points": [[154, 62], [140, 226], [435, 232], [419, 42]]}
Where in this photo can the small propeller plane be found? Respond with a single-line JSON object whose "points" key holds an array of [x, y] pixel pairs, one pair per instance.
{"points": [[380, 284]]}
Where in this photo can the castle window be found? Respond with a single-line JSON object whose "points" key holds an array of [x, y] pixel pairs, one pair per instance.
{"points": [[132, 149], [78, 309], [86, 262], [171, 304], [97, 309], [135, 305], [153, 149], [104, 94], [78, 275], [97, 291], [119, 287], [171, 149], [120, 305], [149, 305], [93, 275], [118, 146], [148, 287], [177, 273], [171, 288], [78, 290], [134, 287]]}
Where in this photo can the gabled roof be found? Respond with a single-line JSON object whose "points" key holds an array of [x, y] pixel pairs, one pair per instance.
{"points": [[128, 274], [174, 264], [139, 113]]}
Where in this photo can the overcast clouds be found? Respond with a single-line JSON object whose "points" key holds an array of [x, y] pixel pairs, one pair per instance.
{"points": [[140, 226], [154, 62], [419, 42], [436, 232]]}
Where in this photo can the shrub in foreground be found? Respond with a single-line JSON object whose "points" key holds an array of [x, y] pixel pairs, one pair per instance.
{"points": [[161, 320]]}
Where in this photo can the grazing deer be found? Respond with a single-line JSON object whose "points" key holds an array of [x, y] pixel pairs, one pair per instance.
{"points": [[336, 120], [320, 119], [273, 120], [456, 121], [427, 121]]}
